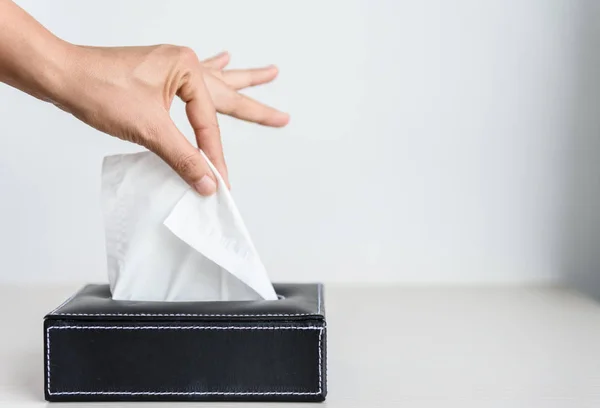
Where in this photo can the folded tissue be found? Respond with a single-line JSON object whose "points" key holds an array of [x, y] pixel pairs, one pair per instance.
{"points": [[165, 242]]}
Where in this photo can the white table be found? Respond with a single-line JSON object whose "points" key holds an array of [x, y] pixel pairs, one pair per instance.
{"points": [[393, 346]]}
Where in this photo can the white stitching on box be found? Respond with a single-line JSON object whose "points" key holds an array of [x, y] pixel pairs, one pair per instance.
{"points": [[48, 359], [187, 327], [182, 393], [320, 365], [185, 314], [150, 393], [319, 289]]}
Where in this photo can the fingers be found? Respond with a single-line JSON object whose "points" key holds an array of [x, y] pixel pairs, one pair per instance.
{"points": [[207, 135], [243, 78], [242, 107], [239, 106], [171, 146], [239, 78], [217, 62], [203, 118]]}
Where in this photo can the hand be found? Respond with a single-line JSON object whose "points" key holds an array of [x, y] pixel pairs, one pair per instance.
{"points": [[127, 92]]}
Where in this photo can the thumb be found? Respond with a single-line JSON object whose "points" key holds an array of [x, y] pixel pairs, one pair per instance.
{"points": [[185, 159]]}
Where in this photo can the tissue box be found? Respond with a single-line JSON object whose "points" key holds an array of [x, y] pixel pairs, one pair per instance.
{"points": [[99, 349]]}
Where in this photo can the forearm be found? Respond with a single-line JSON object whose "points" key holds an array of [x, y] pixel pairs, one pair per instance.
{"points": [[32, 59]]}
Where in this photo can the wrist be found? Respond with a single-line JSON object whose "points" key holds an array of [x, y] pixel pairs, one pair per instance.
{"points": [[56, 72], [32, 59]]}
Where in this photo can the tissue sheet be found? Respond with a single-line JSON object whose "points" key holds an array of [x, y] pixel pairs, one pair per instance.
{"points": [[165, 242]]}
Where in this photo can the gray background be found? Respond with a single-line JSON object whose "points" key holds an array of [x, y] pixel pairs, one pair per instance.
{"points": [[430, 141]]}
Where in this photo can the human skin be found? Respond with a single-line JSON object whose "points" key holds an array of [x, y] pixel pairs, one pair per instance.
{"points": [[127, 92]]}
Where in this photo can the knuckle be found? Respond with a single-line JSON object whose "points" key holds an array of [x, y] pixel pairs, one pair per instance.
{"points": [[148, 134], [187, 56], [187, 164], [169, 51], [209, 127]]}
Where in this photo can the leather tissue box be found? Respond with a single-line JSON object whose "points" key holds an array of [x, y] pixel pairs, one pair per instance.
{"points": [[99, 349]]}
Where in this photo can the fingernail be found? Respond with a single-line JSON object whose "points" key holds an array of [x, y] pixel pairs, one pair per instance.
{"points": [[206, 186]]}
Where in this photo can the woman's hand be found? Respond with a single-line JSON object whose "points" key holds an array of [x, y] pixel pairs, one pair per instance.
{"points": [[127, 92]]}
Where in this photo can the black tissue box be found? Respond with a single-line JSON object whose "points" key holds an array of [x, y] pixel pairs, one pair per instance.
{"points": [[99, 349]]}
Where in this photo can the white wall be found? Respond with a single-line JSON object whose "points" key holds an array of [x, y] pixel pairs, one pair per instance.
{"points": [[428, 142]]}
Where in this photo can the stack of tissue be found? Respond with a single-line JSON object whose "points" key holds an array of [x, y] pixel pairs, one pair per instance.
{"points": [[165, 242]]}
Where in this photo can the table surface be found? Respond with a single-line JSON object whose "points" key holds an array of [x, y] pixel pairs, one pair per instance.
{"points": [[393, 346]]}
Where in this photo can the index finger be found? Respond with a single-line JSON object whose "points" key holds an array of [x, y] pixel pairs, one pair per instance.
{"points": [[203, 118]]}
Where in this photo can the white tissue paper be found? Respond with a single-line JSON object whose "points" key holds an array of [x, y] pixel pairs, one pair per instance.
{"points": [[165, 242]]}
